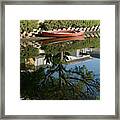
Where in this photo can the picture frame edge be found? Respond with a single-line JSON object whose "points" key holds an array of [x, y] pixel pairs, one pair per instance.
{"points": [[2, 68]]}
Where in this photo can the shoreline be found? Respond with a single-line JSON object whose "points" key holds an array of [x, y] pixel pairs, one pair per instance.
{"points": [[76, 59]]}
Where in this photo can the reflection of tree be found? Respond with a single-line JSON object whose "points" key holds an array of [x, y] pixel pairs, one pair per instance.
{"points": [[72, 45], [55, 82], [43, 85], [80, 81]]}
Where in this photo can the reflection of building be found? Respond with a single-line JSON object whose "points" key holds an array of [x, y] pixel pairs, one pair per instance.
{"points": [[40, 60], [79, 52], [86, 50]]}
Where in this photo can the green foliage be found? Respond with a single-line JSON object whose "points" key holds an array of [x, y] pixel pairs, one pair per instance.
{"points": [[43, 86], [28, 52], [28, 25], [73, 84], [55, 24], [71, 46], [29, 82], [55, 59]]}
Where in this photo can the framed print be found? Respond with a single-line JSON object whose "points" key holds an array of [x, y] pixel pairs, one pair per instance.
{"points": [[60, 59]]}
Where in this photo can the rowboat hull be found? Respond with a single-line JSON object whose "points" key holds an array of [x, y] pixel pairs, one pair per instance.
{"points": [[61, 34]]}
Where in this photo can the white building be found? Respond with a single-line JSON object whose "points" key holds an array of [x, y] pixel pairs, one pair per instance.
{"points": [[40, 60]]}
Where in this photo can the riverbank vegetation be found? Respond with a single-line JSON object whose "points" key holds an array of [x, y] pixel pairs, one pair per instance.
{"points": [[29, 25]]}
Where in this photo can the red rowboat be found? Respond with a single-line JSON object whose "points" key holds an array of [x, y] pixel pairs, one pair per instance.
{"points": [[61, 33]]}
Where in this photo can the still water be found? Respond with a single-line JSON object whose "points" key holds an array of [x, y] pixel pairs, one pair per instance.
{"points": [[91, 64]]}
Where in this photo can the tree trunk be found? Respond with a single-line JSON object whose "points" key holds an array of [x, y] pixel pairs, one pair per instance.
{"points": [[61, 55], [59, 75]]}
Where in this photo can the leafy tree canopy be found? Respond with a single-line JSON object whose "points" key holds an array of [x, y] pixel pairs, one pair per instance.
{"points": [[28, 25], [55, 24], [28, 52]]}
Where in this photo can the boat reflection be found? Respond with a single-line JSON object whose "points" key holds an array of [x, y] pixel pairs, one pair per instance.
{"points": [[64, 39]]}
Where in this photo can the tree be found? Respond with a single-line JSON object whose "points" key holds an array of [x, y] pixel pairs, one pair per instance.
{"points": [[28, 25], [27, 56], [56, 24]]}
